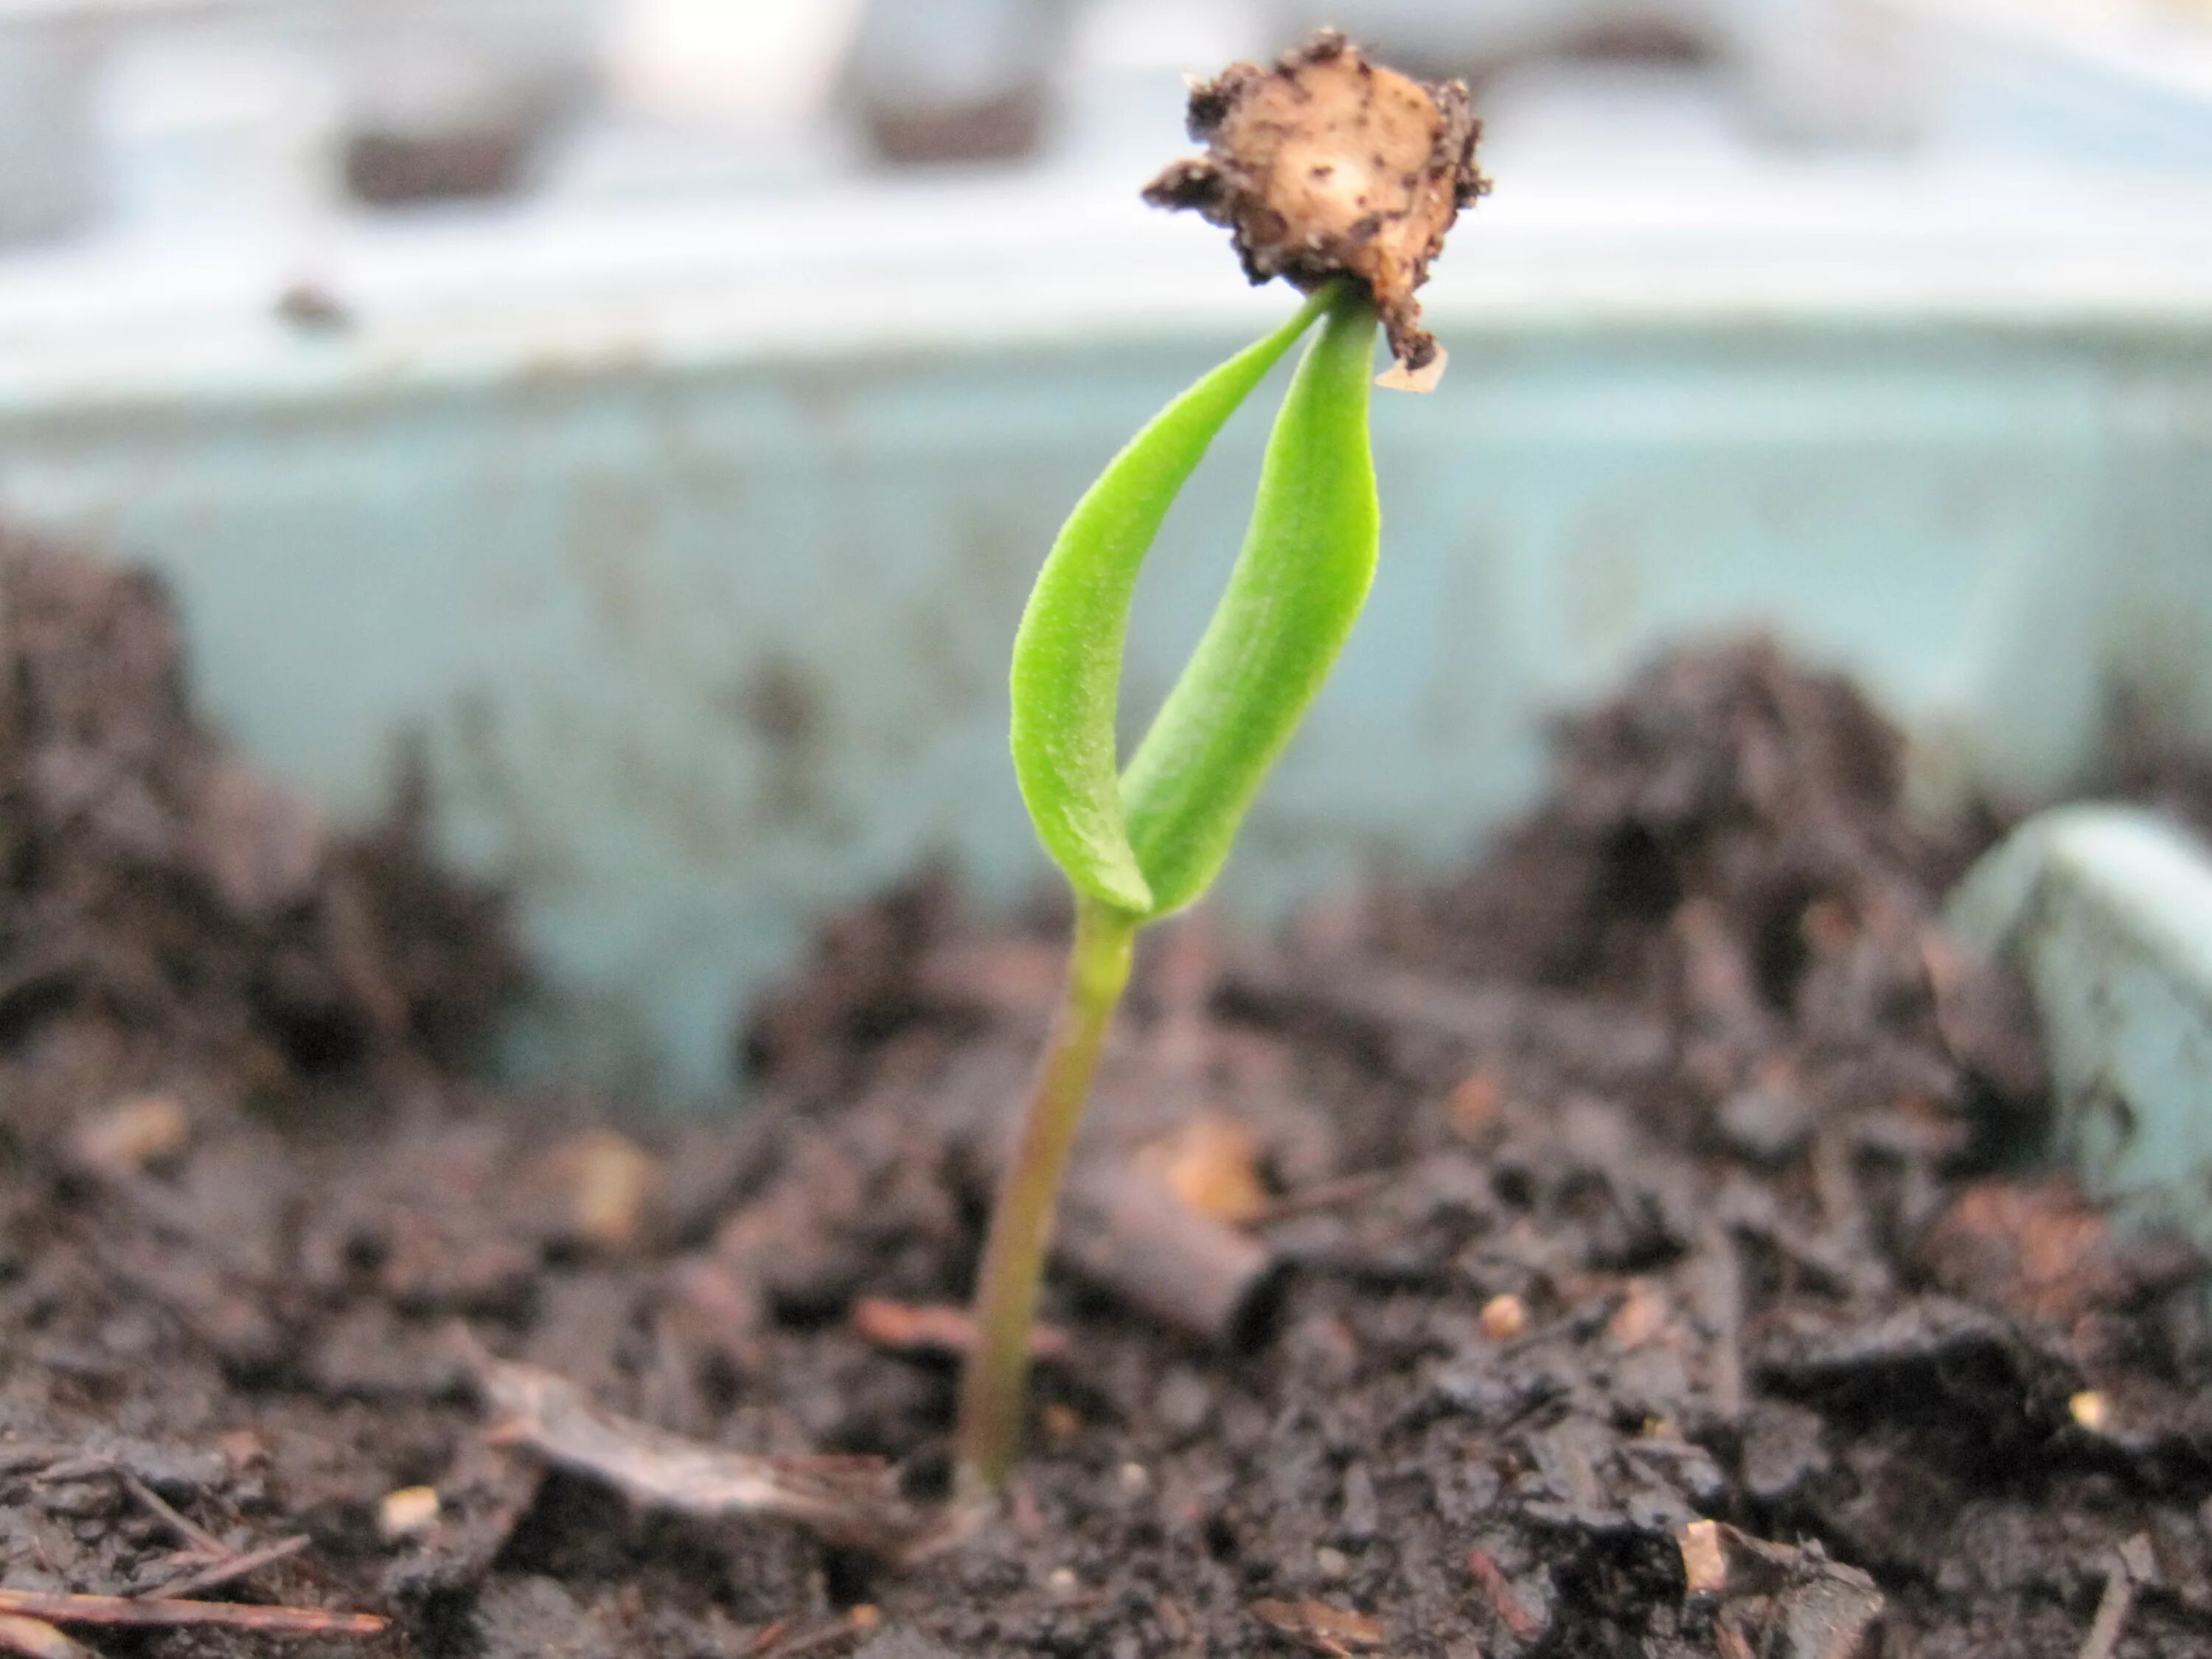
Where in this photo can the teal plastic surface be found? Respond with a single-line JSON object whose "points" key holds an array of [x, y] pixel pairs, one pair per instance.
{"points": [[705, 622], [2108, 911]]}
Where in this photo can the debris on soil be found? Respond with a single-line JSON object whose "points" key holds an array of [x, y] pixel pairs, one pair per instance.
{"points": [[2132, 1565], [140, 1611], [854, 1501], [1777, 1599], [1505, 1602], [231, 1566], [1663, 1172], [1325, 1630], [1329, 165]]}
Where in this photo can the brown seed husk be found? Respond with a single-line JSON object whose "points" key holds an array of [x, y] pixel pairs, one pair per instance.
{"points": [[1328, 165]]}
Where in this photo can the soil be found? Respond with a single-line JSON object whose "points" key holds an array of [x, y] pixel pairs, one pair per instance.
{"points": [[1667, 1168]]}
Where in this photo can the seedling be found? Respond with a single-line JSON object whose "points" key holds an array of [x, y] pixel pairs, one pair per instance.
{"points": [[1343, 177]]}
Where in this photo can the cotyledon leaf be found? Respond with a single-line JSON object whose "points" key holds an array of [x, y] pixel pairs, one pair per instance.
{"points": [[1067, 677], [1297, 587]]}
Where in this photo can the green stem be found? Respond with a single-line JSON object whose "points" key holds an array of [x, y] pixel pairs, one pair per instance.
{"points": [[992, 1387]]}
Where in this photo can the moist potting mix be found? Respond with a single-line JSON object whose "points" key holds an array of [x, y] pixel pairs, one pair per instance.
{"points": [[1632, 1244]]}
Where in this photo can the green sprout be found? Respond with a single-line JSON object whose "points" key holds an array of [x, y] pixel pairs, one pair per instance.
{"points": [[1141, 842]]}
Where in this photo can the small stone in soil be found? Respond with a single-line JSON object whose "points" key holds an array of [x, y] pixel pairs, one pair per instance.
{"points": [[1502, 1318], [407, 1512]]}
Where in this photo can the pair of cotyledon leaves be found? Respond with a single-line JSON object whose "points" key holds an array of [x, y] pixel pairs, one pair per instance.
{"points": [[1150, 840]]}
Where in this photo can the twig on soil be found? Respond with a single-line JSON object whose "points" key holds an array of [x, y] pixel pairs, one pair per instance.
{"points": [[35, 1639], [1719, 1287], [230, 1570], [65, 1608], [785, 1642], [2132, 1565], [1504, 1599], [854, 1501], [81, 1467], [190, 1530], [1328, 1631], [766, 1639], [22, 1459], [59, 1471], [1123, 1227]]}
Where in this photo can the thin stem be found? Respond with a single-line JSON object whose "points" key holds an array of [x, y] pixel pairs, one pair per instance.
{"points": [[992, 1387]]}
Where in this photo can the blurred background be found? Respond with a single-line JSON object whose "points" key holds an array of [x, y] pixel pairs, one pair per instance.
{"points": [[138, 117], [653, 410]]}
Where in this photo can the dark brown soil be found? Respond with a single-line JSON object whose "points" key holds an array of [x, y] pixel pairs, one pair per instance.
{"points": [[1670, 1164]]}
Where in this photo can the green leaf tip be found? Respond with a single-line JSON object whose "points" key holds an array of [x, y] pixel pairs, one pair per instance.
{"points": [[1299, 587], [1067, 674]]}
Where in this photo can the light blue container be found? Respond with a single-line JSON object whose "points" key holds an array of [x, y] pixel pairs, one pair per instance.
{"points": [[692, 550], [2106, 913]]}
